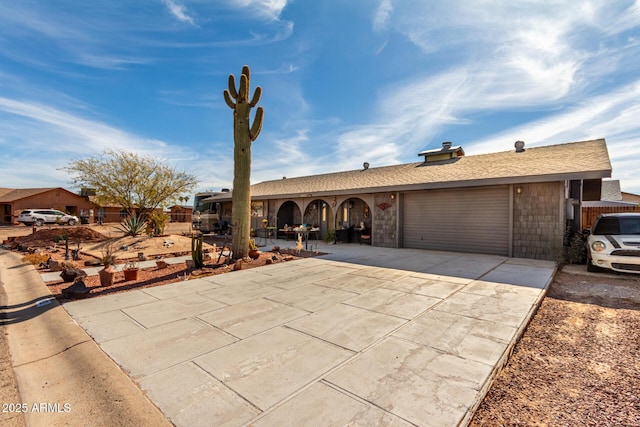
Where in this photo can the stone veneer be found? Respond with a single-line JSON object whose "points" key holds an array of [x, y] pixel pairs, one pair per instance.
{"points": [[385, 214], [538, 220]]}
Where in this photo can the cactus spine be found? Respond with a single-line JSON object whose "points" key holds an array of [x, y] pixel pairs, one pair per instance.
{"points": [[243, 135], [196, 251]]}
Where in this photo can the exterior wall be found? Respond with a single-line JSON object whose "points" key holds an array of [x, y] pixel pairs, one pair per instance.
{"points": [[180, 213], [538, 220], [57, 198], [384, 213]]}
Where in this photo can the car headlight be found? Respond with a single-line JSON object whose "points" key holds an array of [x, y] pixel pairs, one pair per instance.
{"points": [[598, 246]]}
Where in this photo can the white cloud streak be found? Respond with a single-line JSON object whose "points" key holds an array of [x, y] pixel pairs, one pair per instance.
{"points": [[179, 11]]}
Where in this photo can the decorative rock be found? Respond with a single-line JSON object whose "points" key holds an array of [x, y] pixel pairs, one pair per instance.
{"points": [[161, 264], [77, 290], [92, 263], [268, 261], [71, 274], [54, 265], [238, 265]]}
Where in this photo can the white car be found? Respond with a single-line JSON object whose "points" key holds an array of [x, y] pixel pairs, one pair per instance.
{"points": [[614, 243], [46, 216]]}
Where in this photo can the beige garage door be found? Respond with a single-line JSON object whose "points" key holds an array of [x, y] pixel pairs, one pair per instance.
{"points": [[469, 220]]}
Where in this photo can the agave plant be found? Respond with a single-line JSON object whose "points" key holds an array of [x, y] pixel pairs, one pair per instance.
{"points": [[133, 225]]}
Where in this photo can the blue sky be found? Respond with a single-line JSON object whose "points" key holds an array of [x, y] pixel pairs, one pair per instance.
{"points": [[344, 82]]}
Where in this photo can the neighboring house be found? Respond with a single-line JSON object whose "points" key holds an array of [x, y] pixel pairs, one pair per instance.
{"points": [[180, 213], [515, 203], [15, 200], [612, 200], [107, 213]]}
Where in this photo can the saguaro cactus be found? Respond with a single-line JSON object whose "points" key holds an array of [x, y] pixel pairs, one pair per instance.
{"points": [[243, 136]]}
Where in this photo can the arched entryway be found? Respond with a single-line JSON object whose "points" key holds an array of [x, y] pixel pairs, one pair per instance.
{"points": [[353, 219], [288, 214], [318, 213]]}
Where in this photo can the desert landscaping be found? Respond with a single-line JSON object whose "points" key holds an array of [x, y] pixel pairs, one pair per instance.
{"points": [[576, 363]]}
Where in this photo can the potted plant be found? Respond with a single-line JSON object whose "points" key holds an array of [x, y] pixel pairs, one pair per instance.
{"points": [[254, 253], [108, 259], [131, 271], [330, 236]]}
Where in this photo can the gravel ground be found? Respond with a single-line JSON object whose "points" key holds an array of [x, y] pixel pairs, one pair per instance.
{"points": [[577, 363]]}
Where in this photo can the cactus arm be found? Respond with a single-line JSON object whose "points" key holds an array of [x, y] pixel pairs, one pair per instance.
{"points": [[256, 97], [232, 87], [243, 94], [246, 71], [228, 100], [256, 127]]}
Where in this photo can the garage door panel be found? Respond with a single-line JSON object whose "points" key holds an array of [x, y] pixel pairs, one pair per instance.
{"points": [[470, 220]]}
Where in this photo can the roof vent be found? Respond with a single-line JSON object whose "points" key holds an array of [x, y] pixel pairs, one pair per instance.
{"points": [[365, 165], [519, 146], [225, 190]]}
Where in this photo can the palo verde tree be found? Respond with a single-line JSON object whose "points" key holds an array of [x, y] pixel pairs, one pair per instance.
{"points": [[243, 136], [136, 182]]}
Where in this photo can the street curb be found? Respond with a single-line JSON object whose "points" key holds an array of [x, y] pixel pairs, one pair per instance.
{"points": [[63, 377]]}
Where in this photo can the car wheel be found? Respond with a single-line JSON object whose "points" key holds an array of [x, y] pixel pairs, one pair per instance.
{"points": [[39, 222], [72, 222]]}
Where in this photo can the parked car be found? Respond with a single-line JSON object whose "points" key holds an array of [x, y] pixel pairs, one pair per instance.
{"points": [[46, 216], [614, 243]]}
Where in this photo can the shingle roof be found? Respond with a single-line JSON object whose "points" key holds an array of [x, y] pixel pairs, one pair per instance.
{"points": [[576, 160]]}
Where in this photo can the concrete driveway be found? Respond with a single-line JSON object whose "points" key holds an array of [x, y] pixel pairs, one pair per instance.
{"points": [[363, 336]]}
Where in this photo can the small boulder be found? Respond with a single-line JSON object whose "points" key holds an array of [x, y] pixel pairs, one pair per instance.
{"points": [[71, 274], [77, 290]]}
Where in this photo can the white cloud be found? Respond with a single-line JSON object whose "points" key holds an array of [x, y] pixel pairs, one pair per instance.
{"points": [[270, 9], [382, 15], [179, 11]]}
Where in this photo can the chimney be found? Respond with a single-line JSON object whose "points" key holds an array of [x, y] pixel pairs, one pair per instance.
{"points": [[446, 145], [365, 165], [519, 146]]}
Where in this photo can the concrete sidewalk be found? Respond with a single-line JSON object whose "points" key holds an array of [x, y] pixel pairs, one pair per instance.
{"points": [[64, 379], [364, 335]]}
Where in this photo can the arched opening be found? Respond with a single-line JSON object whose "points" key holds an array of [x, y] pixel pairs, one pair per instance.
{"points": [[353, 221], [288, 214], [318, 213]]}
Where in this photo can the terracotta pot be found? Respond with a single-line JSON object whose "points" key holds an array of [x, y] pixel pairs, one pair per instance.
{"points": [[106, 276], [131, 274], [254, 254]]}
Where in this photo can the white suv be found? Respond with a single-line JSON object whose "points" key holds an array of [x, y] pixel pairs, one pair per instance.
{"points": [[614, 243], [46, 216]]}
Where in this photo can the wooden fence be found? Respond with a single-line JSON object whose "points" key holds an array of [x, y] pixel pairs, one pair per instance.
{"points": [[590, 214]]}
